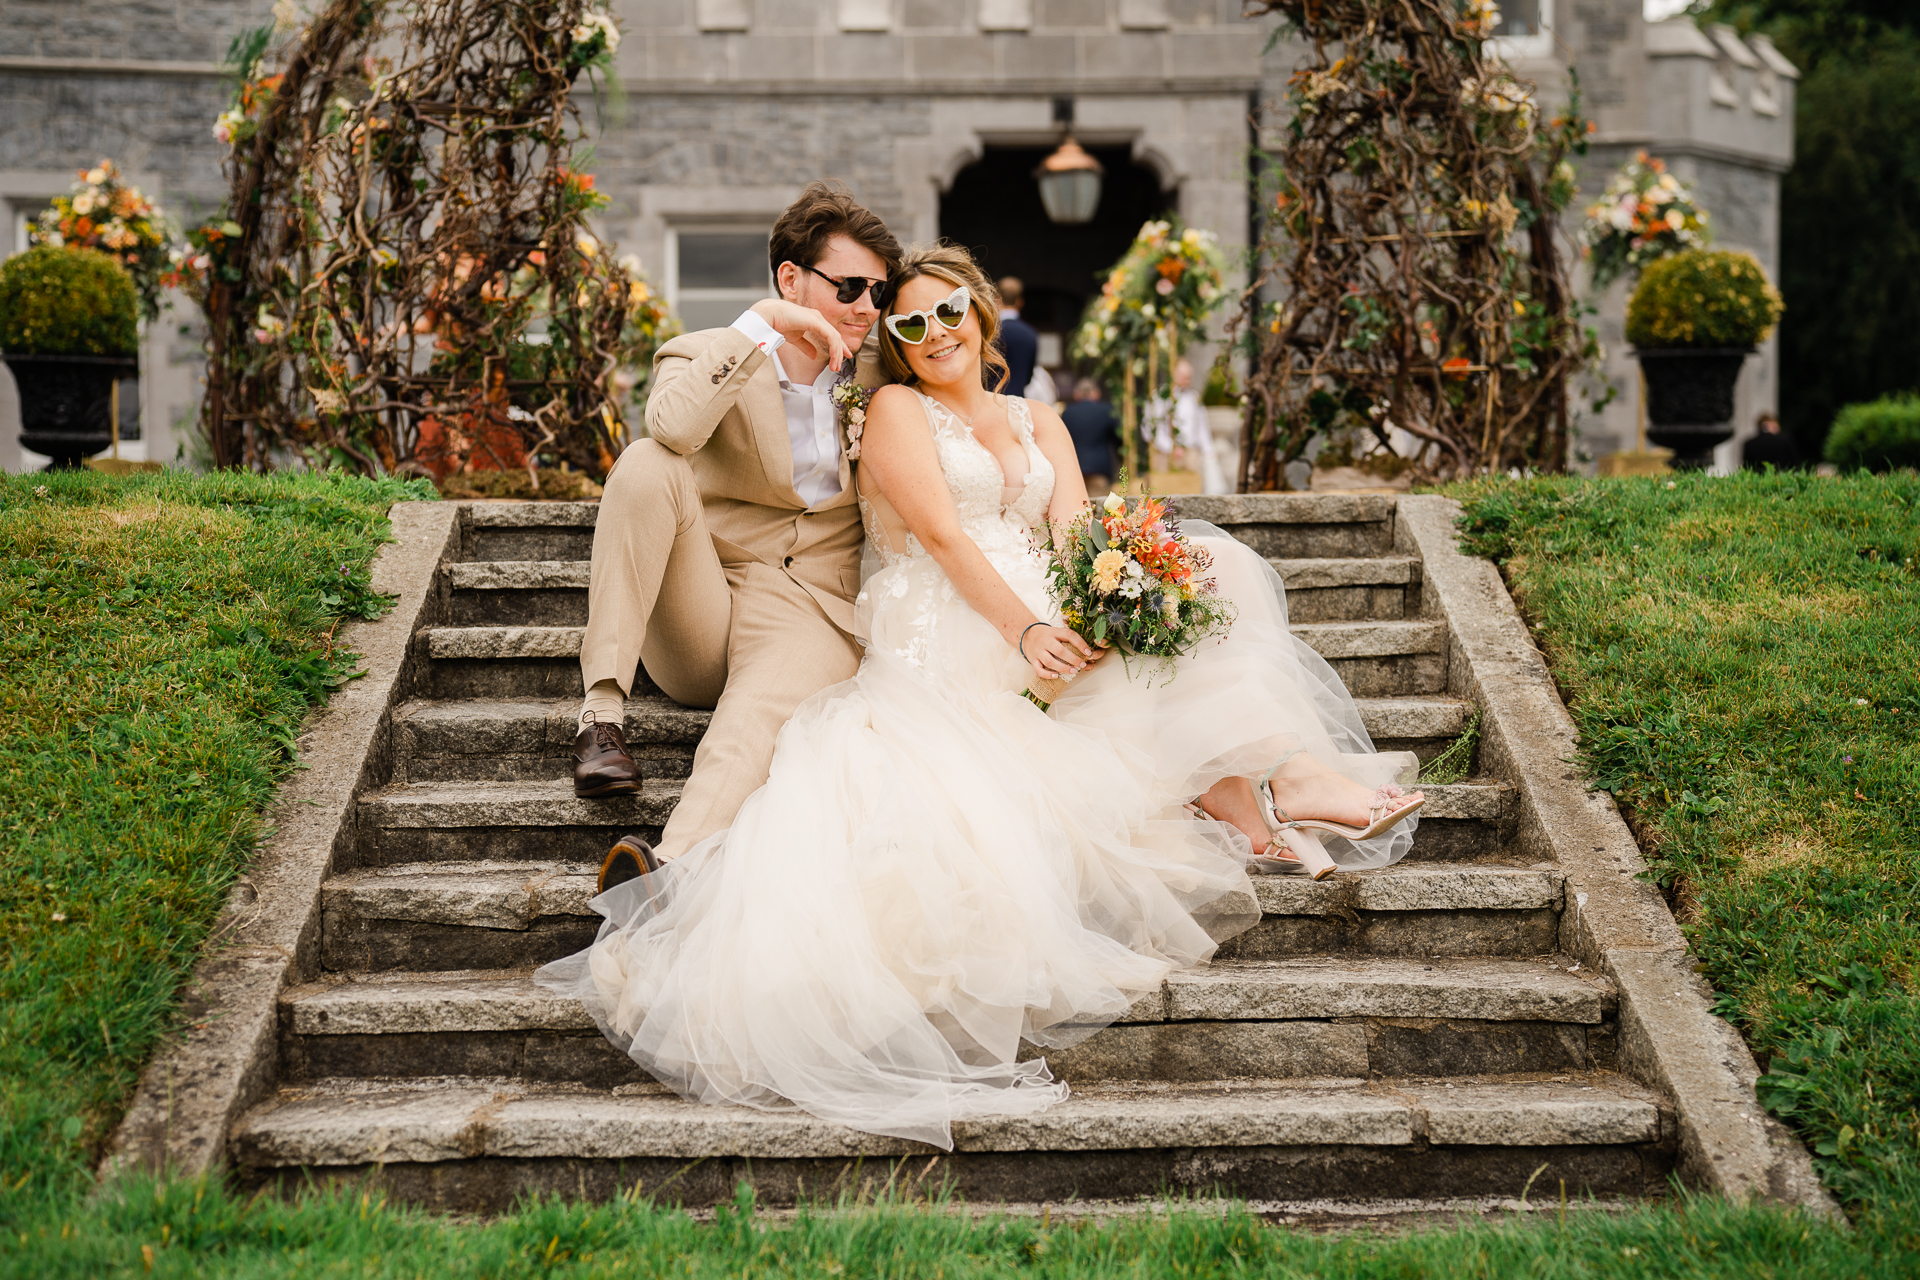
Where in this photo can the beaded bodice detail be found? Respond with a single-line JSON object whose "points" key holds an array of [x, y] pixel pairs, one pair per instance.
{"points": [[996, 515]]}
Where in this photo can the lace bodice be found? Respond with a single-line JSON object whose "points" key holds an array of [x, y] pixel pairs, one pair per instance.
{"points": [[998, 517], [907, 604]]}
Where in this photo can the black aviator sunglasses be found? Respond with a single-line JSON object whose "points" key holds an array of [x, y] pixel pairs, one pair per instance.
{"points": [[851, 288]]}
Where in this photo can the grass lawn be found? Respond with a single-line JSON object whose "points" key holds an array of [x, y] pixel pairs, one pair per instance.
{"points": [[1742, 657], [1716, 638], [161, 637]]}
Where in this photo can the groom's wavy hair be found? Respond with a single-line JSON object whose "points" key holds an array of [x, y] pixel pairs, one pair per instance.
{"points": [[824, 210], [947, 261]]}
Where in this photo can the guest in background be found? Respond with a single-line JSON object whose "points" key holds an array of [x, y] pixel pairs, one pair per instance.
{"points": [[1771, 447], [1095, 429], [1183, 434], [1019, 343], [1042, 388]]}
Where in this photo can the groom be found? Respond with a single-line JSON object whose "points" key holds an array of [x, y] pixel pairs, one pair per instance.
{"points": [[727, 551]]}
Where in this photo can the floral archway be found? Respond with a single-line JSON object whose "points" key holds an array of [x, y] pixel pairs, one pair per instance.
{"points": [[405, 263]]}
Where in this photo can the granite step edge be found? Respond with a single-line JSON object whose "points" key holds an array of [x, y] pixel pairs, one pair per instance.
{"points": [[359, 1123]]}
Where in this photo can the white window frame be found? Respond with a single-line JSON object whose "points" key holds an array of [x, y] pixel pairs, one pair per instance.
{"points": [[1533, 46], [743, 296]]}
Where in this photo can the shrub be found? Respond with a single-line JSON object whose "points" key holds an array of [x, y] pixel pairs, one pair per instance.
{"points": [[1703, 299], [67, 302], [1881, 435]]}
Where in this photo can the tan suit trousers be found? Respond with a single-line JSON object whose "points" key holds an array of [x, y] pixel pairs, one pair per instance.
{"points": [[744, 639]]}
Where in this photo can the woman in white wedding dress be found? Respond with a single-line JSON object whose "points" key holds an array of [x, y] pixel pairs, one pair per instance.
{"points": [[937, 870]]}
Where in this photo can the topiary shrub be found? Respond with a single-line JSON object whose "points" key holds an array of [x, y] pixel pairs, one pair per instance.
{"points": [[1703, 299], [1882, 435], [67, 302]]}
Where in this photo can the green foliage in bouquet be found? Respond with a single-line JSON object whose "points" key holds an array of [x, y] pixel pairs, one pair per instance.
{"points": [[1167, 283], [1882, 435], [67, 302], [1645, 214], [1702, 299], [105, 212], [1125, 576]]}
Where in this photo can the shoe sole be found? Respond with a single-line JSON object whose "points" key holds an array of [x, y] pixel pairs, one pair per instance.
{"points": [[610, 789]]}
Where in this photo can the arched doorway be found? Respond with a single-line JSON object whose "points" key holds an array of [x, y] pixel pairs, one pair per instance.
{"points": [[993, 208]]}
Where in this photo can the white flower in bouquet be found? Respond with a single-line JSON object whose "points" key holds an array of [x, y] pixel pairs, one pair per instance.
{"points": [[595, 23]]}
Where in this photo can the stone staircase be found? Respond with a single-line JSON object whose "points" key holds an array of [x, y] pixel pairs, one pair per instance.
{"points": [[1409, 1034]]}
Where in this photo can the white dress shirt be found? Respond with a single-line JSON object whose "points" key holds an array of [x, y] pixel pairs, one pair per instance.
{"points": [[813, 427]]}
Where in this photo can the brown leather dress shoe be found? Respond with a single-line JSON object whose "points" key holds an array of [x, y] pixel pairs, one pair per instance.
{"points": [[629, 859], [602, 765]]}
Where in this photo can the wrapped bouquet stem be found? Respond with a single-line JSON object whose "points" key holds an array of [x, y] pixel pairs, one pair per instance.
{"points": [[1125, 577]]}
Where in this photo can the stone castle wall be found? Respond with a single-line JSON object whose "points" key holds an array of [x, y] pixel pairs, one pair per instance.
{"points": [[730, 106]]}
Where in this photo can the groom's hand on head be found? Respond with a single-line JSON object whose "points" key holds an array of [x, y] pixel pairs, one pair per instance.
{"points": [[805, 327]]}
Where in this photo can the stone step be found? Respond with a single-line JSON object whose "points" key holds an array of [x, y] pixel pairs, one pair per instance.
{"points": [[1307, 1016], [519, 592], [1293, 525], [554, 592], [502, 739], [1373, 659], [492, 915], [479, 1144], [506, 739], [531, 530], [542, 820], [1329, 639], [1378, 588]]}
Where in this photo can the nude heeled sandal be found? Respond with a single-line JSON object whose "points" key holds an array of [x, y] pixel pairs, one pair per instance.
{"points": [[1272, 864], [1382, 814]]}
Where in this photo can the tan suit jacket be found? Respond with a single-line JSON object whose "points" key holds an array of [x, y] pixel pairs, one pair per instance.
{"points": [[716, 401]]}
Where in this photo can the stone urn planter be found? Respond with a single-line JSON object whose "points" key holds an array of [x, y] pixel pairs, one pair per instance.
{"points": [[1690, 399], [1693, 320], [66, 404]]}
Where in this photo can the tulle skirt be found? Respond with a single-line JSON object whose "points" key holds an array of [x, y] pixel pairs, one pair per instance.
{"points": [[936, 870]]}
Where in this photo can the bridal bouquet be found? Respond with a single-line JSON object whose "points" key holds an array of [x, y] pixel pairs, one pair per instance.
{"points": [[1127, 578]]}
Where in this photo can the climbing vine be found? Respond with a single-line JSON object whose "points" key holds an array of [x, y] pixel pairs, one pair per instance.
{"points": [[1408, 272], [404, 277]]}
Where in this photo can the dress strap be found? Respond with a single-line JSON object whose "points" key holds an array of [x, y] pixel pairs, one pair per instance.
{"points": [[1022, 415]]}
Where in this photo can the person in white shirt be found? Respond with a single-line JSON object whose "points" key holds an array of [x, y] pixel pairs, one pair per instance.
{"points": [[726, 555], [1182, 434]]}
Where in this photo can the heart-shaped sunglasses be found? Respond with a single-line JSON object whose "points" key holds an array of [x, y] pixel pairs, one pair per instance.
{"points": [[913, 327]]}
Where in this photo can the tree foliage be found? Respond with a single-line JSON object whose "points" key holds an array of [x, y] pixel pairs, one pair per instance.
{"points": [[1850, 206]]}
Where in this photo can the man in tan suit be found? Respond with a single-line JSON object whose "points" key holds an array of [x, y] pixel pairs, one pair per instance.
{"points": [[727, 551]]}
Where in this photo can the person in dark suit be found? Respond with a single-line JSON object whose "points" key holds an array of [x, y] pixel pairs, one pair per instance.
{"points": [[1095, 429], [1771, 447], [1018, 341]]}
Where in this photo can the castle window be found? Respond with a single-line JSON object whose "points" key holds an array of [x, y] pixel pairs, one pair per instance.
{"points": [[716, 273]]}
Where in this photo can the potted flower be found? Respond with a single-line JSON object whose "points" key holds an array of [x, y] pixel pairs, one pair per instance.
{"points": [[1693, 320], [69, 327]]}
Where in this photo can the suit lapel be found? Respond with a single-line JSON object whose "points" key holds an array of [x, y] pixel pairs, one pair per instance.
{"points": [[767, 415]]}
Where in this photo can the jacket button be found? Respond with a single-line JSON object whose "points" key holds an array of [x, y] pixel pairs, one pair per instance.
{"points": [[789, 562]]}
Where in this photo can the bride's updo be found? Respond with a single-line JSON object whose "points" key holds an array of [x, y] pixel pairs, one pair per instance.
{"points": [[949, 262]]}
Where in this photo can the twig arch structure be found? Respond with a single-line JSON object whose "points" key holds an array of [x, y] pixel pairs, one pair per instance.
{"points": [[407, 249], [1408, 272]]}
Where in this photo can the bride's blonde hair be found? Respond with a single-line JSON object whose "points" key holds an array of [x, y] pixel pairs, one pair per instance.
{"points": [[945, 261]]}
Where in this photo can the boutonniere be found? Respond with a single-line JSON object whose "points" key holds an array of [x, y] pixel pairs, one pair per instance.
{"points": [[852, 400]]}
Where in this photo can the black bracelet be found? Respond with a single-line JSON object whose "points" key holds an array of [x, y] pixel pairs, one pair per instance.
{"points": [[1022, 645]]}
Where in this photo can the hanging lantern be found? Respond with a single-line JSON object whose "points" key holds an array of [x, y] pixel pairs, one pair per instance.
{"points": [[1069, 184]]}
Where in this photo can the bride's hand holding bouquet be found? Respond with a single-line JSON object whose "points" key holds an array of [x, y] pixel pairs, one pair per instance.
{"points": [[1126, 577]]}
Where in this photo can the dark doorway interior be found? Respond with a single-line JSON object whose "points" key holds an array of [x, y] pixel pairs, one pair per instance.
{"points": [[994, 209]]}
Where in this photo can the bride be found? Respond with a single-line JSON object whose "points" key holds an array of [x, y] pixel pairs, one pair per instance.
{"points": [[937, 870]]}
